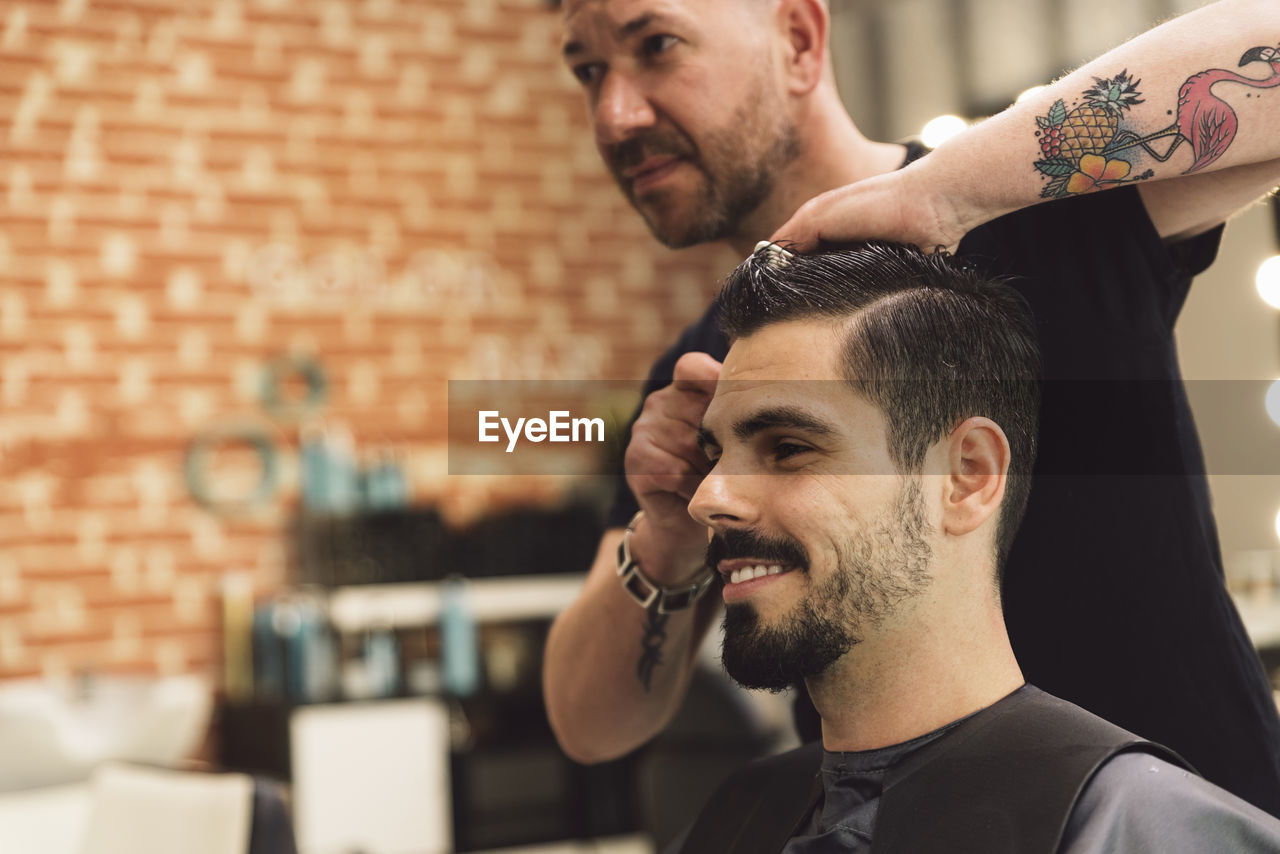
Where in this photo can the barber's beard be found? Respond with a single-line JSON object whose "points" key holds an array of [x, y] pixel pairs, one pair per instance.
{"points": [[734, 180], [877, 570]]}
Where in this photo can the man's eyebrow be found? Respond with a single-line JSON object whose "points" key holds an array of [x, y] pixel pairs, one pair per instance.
{"points": [[636, 24], [781, 416]]}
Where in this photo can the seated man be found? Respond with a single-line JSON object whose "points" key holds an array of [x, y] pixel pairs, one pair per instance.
{"points": [[870, 438]]}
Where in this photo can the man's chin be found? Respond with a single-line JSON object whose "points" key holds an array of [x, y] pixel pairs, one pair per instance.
{"points": [[756, 657], [772, 658], [676, 226]]}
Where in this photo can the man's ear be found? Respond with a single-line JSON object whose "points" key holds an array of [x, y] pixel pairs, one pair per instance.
{"points": [[804, 25], [978, 462]]}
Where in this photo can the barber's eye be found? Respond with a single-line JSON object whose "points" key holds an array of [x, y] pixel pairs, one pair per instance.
{"points": [[656, 44], [588, 72]]}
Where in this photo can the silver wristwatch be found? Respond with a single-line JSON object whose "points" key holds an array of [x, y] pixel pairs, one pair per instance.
{"points": [[647, 592]]}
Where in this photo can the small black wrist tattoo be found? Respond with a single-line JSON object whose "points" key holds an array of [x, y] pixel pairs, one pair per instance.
{"points": [[655, 635]]}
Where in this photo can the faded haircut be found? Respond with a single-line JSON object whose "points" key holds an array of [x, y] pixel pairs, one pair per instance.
{"points": [[931, 342]]}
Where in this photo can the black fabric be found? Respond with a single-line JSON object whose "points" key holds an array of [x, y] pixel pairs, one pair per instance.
{"points": [[759, 807], [1002, 781], [271, 829], [1113, 593]]}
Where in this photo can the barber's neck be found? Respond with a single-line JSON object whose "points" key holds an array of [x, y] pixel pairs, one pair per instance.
{"points": [[927, 666], [833, 153]]}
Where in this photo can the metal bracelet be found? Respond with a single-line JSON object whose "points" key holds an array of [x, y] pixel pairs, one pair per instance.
{"points": [[647, 592]]}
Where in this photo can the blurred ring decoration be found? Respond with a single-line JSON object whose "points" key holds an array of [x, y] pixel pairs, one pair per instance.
{"points": [[203, 484], [223, 491], [292, 394], [273, 391]]}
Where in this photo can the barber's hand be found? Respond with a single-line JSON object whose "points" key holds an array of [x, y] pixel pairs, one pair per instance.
{"points": [[664, 466], [897, 206]]}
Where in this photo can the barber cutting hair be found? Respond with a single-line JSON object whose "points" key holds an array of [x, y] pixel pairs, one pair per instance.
{"points": [[1100, 197]]}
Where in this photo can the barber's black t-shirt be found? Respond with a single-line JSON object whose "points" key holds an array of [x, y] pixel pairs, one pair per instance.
{"points": [[1113, 592]]}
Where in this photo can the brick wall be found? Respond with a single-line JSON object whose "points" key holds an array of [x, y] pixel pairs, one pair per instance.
{"points": [[405, 191]]}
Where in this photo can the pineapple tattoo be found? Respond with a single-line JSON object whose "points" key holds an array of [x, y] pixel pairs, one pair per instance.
{"points": [[1075, 143], [1089, 127], [1082, 148]]}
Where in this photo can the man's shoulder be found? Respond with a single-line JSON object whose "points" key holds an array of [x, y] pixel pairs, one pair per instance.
{"points": [[1138, 802]]}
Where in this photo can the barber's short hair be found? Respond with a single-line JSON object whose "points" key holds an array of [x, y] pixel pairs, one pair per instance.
{"points": [[932, 342]]}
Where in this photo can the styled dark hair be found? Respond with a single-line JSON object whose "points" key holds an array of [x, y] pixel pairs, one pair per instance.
{"points": [[932, 342]]}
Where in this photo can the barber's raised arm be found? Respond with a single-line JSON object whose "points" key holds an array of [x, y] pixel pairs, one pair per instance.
{"points": [[615, 672], [1189, 112]]}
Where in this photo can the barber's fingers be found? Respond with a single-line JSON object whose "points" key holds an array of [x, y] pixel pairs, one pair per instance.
{"points": [[903, 206], [803, 230], [662, 475], [663, 455], [696, 373], [665, 435]]}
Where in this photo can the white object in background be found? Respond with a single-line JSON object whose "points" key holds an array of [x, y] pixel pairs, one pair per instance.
{"points": [[44, 821], [139, 810], [409, 605], [56, 732], [940, 129], [1271, 402], [1030, 92], [1267, 281], [371, 777]]}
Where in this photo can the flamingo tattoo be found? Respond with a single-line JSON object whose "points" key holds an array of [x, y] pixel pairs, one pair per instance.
{"points": [[1204, 120]]}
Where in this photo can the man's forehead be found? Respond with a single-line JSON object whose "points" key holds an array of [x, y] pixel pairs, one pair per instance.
{"points": [[792, 350], [615, 14], [793, 364]]}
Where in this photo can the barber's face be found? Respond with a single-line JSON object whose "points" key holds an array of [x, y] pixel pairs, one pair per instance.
{"points": [[687, 110], [803, 486]]}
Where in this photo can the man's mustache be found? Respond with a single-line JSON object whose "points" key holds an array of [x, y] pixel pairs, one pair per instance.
{"points": [[635, 150], [734, 544]]}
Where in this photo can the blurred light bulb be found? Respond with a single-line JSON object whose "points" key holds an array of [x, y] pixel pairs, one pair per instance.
{"points": [[1268, 281], [1278, 524], [939, 130], [1027, 93], [1272, 401]]}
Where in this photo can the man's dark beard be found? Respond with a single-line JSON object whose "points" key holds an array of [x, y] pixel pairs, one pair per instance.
{"points": [[876, 570], [732, 186]]}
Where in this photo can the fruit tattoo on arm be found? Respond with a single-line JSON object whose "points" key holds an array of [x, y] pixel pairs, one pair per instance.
{"points": [[1093, 146]]}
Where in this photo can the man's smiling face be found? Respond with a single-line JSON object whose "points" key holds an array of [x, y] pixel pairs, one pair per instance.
{"points": [[686, 108], [820, 539]]}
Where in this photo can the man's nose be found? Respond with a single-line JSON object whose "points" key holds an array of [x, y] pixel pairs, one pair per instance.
{"points": [[724, 500], [622, 108]]}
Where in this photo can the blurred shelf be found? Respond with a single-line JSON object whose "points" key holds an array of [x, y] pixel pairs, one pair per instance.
{"points": [[416, 604], [1261, 619]]}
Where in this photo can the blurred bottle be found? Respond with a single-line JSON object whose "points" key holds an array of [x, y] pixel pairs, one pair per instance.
{"points": [[459, 641]]}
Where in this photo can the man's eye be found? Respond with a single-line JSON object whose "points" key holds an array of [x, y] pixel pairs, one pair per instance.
{"points": [[588, 72], [784, 450], [656, 44]]}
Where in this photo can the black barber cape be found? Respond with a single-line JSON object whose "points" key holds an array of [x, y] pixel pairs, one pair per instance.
{"points": [[1001, 781]]}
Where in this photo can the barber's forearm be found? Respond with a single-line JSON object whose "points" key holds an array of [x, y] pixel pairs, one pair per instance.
{"points": [[1055, 144], [614, 674]]}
